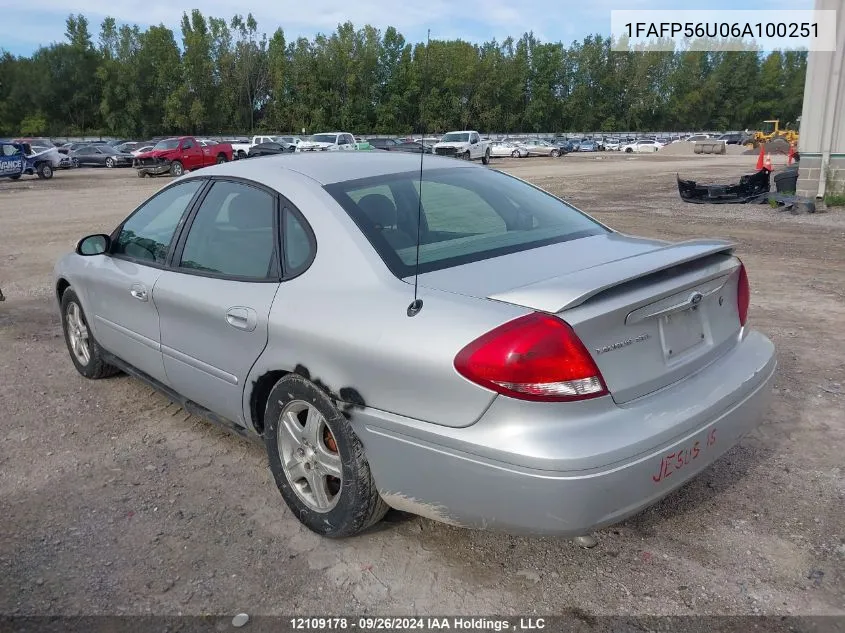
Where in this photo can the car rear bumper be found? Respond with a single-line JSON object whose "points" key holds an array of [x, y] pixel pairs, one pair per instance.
{"points": [[439, 474]]}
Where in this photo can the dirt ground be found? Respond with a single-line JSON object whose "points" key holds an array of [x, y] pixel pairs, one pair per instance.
{"points": [[114, 501]]}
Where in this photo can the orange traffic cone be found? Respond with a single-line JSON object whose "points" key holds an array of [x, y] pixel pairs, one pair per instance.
{"points": [[791, 155], [760, 158], [768, 163]]}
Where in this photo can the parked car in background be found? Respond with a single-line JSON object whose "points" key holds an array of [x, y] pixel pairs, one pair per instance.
{"points": [[100, 156], [588, 145], [612, 144], [641, 146], [384, 143], [573, 374], [697, 137], [67, 148], [128, 147], [240, 149], [539, 147], [295, 140], [464, 144], [270, 148], [735, 138], [414, 147], [51, 153], [327, 142], [17, 159], [143, 149], [504, 148], [177, 155]]}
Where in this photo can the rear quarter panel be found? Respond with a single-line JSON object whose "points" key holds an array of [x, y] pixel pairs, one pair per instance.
{"points": [[344, 324]]}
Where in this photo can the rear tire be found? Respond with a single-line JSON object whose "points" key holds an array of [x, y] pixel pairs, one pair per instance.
{"points": [[515, 154], [109, 163], [628, 150], [316, 439], [85, 352], [555, 153], [176, 169], [45, 171], [485, 160], [221, 158]]}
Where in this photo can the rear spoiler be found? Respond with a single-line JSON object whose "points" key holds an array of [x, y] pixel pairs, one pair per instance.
{"points": [[567, 291]]}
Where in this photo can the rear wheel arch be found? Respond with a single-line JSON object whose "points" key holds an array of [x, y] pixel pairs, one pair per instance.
{"points": [[261, 388], [61, 285]]}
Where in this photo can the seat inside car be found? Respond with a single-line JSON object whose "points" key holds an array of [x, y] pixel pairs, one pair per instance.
{"points": [[382, 213]]}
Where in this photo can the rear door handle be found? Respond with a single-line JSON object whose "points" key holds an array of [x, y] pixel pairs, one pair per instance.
{"points": [[242, 318], [139, 292]]}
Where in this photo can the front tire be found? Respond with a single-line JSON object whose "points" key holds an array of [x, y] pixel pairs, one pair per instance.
{"points": [[109, 163], [466, 156], [45, 171], [515, 153], [318, 462], [555, 153], [176, 169], [85, 352], [628, 150]]}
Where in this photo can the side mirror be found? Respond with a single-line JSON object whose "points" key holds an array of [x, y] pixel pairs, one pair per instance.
{"points": [[93, 245]]}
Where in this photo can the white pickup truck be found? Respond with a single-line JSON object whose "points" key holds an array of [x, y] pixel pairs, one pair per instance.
{"points": [[241, 150], [328, 142], [466, 144]]}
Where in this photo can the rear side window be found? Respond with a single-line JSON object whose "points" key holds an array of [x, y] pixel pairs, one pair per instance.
{"points": [[233, 233], [146, 235], [468, 214]]}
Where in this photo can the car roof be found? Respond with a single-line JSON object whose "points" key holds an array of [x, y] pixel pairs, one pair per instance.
{"points": [[331, 167]]}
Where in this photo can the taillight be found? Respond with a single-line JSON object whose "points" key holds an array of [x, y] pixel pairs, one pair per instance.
{"points": [[743, 295], [534, 357]]}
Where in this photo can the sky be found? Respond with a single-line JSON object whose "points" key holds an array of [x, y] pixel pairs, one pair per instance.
{"points": [[24, 26]]}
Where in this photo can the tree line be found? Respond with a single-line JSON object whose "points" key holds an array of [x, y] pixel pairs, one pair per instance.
{"points": [[229, 77]]}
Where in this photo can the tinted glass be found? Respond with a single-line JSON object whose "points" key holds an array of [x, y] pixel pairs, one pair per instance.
{"points": [[233, 233], [298, 248], [325, 138], [455, 137], [467, 215], [147, 234]]}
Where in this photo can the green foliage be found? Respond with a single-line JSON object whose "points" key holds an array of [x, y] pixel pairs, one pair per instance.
{"points": [[835, 200], [229, 77]]}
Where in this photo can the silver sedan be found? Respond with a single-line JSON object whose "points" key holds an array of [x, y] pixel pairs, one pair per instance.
{"points": [[486, 356]]}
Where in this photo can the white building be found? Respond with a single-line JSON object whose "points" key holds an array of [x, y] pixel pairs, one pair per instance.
{"points": [[822, 134]]}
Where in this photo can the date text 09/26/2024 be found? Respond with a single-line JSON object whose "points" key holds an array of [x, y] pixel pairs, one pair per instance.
{"points": [[373, 623]]}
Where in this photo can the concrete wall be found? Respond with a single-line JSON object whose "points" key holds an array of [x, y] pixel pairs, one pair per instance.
{"points": [[822, 140]]}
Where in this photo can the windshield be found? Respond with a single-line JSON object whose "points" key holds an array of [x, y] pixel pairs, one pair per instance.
{"points": [[460, 137], [324, 138], [467, 215], [170, 143]]}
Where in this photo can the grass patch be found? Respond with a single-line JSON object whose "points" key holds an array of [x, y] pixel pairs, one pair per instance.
{"points": [[835, 200]]}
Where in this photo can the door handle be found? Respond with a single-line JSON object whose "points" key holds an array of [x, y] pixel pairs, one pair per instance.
{"points": [[139, 292], [242, 318]]}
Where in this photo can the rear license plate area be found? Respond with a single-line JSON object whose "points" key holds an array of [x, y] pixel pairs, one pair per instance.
{"points": [[681, 333]]}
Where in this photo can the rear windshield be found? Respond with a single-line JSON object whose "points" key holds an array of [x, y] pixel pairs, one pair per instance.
{"points": [[171, 143], [467, 215], [324, 138], [452, 137]]}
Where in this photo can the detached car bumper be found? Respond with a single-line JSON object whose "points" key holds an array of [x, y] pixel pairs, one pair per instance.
{"points": [[568, 474]]}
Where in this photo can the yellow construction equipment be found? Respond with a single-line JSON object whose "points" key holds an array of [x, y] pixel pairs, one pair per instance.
{"points": [[771, 130]]}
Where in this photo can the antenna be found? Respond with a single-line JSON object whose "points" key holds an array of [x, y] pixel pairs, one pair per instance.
{"points": [[417, 304]]}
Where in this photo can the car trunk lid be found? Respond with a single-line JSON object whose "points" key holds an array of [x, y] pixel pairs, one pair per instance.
{"points": [[650, 316]]}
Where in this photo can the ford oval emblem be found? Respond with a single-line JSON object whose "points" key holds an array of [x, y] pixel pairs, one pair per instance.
{"points": [[696, 298]]}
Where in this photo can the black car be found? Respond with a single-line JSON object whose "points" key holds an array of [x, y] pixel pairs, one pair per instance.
{"points": [[384, 143], [735, 138], [269, 148], [414, 147], [100, 155]]}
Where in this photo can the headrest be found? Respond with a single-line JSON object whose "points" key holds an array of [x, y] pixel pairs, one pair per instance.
{"points": [[379, 209], [250, 212]]}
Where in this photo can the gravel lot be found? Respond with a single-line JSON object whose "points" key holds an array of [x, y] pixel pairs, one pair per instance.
{"points": [[115, 501]]}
